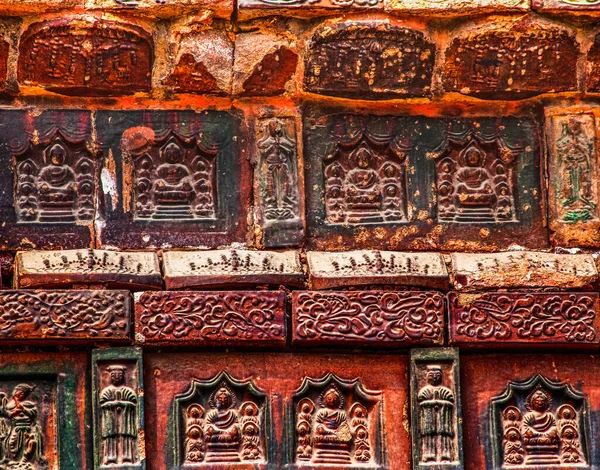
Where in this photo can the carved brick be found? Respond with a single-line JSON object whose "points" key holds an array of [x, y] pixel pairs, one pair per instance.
{"points": [[583, 6], [373, 59], [86, 56], [573, 175], [419, 183], [537, 423], [36, 7], [118, 409], [527, 319], [164, 8], [436, 409], [449, 7], [175, 378], [355, 268], [336, 422], [214, 268], [255, 8], [276, 186], [203, 63], [44, 411], [522, 269], [50, 174], [165, 167], [368, 318], [133, 270], [51, 316], [513, 61], [4, 49], [211, 318], [593, 66]]}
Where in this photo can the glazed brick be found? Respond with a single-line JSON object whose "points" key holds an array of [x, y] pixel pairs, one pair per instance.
{"points": [[241, 318], [524, 319], [368, 318]]}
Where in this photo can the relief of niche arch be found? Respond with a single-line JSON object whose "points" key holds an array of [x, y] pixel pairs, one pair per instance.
{"points": [[220, 422], [336, 422], [374, 59], [540, 423]]}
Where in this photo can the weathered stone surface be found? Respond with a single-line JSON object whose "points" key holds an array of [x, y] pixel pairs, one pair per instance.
{"points": [[367, 392], [265, 64], [573, 174], [211, 318], [203, 63], [133, 270], [359, 268], [85, 55], [497, 405], [512, 60], [593, 66], [522, 269], [420, 183], [118, 409], [436, 409], [277, 195], [455, 8], [368, 318], [573, 6], [302, 8], [373, 59], [36, 7], [165, 8], [65, 316], [526, 319], [45, 410], [217, 268], [166, 167], [49, 175]]}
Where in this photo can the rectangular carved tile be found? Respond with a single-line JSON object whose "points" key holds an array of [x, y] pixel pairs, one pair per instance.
{"points": [[580, 6], [133, 270], [422, 183], [368, 318], [215, 268], [565, 319], [304, 8], [93, 316], [472, 271], [279, 407], [118, 409], [49, 175], [355, 268], [276, 187], [167, 168], [210, 318], [534, 411], [448, 7], [163, 8], [436, 409], [43, 404], [573, 175]]}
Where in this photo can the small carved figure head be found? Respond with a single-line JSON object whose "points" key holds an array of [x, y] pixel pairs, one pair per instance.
{"points": [[539, 400], [117, 374], [195, 412], [574, 126], [22, 391], [57, 154], [172, 153], [223, 398], [276, 128], [566, 412], [512, 413], [434, 375], [332, 398], [512, 434], [568, 432], [473, 157], [361, 158]]}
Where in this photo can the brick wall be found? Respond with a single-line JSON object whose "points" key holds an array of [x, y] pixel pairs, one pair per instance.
{"points": [[289, 234]]}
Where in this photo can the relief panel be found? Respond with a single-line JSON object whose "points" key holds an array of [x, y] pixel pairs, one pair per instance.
{"points": [[512, 62], [419, 183], [65, 316], [567, 320], [211, 318], [86, 56], [436, 409], [276, 183], [255, 8], [163, 167], [539, 423], [373, 59], [337, 422], [50, 173], [118, 409], [378, 318], [221, 422]]}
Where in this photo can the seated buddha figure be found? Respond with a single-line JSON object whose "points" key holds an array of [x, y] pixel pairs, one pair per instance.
{"points": [[222, 427], [57, 187], [173, 184], [332, 437], [472, 181], [539, 430], [362, 188]]}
